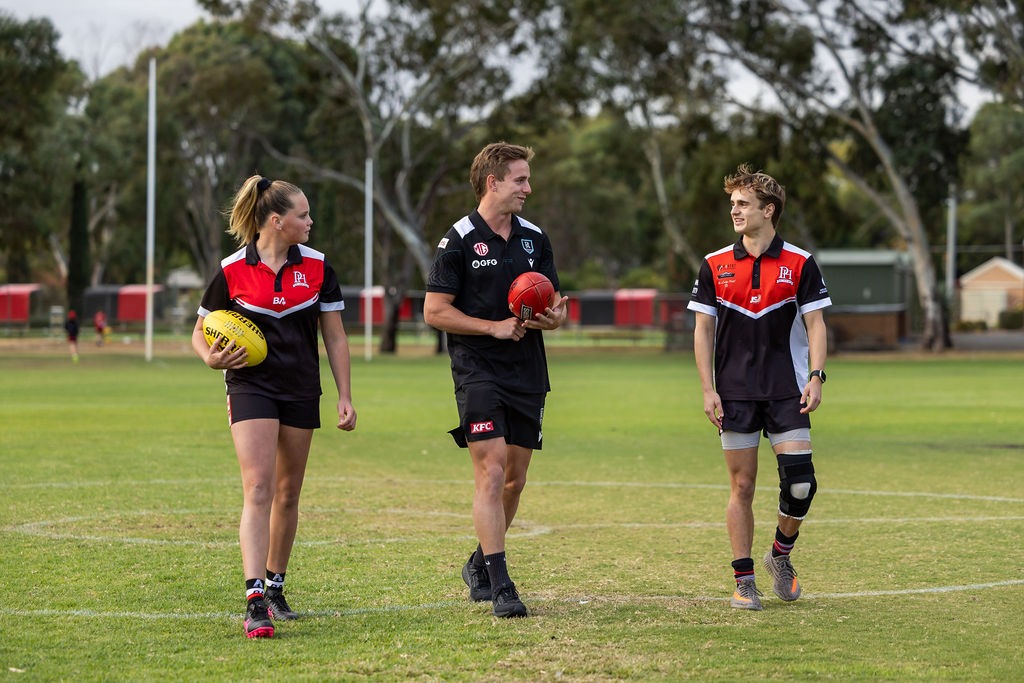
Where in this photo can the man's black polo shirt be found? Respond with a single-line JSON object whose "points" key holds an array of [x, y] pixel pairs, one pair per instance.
{"points": [[478, 266], [286, 307]]}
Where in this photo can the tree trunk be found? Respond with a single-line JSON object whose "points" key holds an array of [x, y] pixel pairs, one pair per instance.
{"points": [[78, 246], [392, 307], [677, 240]]}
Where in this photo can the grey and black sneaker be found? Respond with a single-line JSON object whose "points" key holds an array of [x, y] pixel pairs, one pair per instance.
{"points": [[257, 621], [478, 580], [278, 607], [784, 583], [746, 595], [507, 603]]}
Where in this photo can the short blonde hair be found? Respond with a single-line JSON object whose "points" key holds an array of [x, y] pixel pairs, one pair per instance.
{"points": [[767, 189], [254, 203], [494, 160]]}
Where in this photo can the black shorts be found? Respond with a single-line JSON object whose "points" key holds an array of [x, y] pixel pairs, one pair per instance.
{"points": [[486, 411], [298, 414], [777, 416]]}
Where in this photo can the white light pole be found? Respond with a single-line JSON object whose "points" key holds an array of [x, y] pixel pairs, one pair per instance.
{"points": [[150, 207], [368, 260], [951, 246]]}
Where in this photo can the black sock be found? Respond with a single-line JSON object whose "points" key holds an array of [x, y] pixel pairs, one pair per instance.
{"points": [[253, 589], [783, 544], [743, 568], [478, 556], [275, 581], [497, 570]]}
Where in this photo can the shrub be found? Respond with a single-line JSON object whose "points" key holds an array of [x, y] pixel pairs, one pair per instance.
{"points": [[1011, 320]]}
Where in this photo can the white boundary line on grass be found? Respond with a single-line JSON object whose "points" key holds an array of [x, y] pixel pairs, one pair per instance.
{"points": [[352, 611], [531, 529], [533, 483], [35, 528]]}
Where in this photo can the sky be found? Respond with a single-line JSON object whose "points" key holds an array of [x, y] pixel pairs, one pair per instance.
{"points": [[105, 34]]}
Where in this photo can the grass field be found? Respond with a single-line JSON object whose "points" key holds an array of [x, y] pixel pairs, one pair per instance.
{"points": [[121, 497]]}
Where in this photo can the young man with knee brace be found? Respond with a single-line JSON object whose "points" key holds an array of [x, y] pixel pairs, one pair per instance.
{"points": [[760, 346]]}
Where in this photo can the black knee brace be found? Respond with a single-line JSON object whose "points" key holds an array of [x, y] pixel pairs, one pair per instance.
{"points": [[796, 483]]}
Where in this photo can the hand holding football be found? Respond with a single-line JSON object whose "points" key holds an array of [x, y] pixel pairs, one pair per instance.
{"points": [[530, 294], [234, 327]]}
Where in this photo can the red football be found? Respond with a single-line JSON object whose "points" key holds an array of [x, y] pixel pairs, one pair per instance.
{"points": [[529, 295]]}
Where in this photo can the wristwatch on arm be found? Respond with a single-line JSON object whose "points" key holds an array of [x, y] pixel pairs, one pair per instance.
{"points": [[820, 374]]}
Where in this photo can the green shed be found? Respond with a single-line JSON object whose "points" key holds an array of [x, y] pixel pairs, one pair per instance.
{"points": [[872, 293]]}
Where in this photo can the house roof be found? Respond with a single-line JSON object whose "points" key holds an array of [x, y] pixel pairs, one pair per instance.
{"points": [[996, 268]]}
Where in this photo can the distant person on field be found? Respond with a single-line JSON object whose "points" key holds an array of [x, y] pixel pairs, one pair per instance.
{"points": [[498, 361], [71, 327], [99, 321], [760, 347], [288, 290]]}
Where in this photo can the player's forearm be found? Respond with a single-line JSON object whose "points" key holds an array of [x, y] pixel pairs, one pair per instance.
{"points": [[447, 318], [817, 341], [704, 352]]}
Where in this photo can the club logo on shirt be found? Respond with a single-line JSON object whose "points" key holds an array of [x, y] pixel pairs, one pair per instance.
{"points": [[300, 280], [480, 248], [785, 276], [481, 427], [527, 246]]}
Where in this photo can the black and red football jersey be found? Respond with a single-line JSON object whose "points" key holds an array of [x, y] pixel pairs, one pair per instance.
{"points": [[285, 306], [758, 305]]}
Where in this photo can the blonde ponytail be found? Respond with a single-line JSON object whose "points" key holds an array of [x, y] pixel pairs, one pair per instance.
{"points": [[254, 203]]}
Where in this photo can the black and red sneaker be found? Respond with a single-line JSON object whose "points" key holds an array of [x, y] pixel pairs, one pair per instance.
{"points": [[257, 621]]}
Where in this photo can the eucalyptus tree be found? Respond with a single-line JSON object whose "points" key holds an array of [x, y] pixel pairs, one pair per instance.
{"points": [[35, 85], [982, 40], [994, 175], [842, 61], [645, 61], [412, 79]]}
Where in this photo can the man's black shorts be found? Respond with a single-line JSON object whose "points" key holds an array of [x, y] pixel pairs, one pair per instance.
{"points": [[298, 414], [776, 416], [486, 411]]}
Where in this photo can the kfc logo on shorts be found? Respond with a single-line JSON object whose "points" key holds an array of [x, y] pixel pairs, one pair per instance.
{"points": [[480, 248], [481, 427]]}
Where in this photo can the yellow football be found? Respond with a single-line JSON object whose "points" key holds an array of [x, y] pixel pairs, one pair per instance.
{"points": [[232, 326]]}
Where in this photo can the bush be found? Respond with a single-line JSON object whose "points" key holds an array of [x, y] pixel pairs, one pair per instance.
{"points": [[1011, 320], [970, 326]]}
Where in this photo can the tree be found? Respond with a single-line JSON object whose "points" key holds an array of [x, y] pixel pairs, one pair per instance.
{"points": [[34, 81], [413, 80], [981, 40], [644, 61], [832, 61], [994, 175]]}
